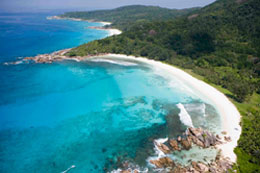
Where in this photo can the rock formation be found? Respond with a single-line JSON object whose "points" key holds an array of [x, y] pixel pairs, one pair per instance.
{"points": [[196, 136], [164, 162]]}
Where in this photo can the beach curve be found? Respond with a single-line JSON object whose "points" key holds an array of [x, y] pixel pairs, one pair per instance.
{"points": [[230, 116]]}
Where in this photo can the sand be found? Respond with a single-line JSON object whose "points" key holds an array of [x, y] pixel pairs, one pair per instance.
{"points": [[112, 31], [230, 116]]}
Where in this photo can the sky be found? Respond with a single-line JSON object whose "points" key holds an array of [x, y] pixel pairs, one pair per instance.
{"points": [[34, 5]]}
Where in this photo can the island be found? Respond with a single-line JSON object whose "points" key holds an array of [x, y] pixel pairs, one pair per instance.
{"points": [[218, 44]]}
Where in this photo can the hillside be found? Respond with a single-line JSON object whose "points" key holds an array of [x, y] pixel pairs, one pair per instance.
{"points": [[221, 43], [122, 17]]}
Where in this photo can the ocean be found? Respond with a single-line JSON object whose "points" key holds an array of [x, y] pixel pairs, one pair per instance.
{"points": [[93, 114]]}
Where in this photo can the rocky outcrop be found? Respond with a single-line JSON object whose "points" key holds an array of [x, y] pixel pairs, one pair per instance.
{"points": [[174, 144], [186, 144], [129, 171], [219, 165], [163, 162], [179, 169], [200, 167], [53, 57], [202, 138], [163, 147], [227, 138], [196, 136]]}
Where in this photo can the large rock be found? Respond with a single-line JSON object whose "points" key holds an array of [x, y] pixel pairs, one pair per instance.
{"points": [[211, 139], [199, 167], [163, 148], [197, 141], [157, 163], [227, 138], [213, 170], [163, 162], [202, 167], [195, 131], [126, 171], [224, 164], [180, 169], [186, 144], [194, 165], [202, 137], [174, 144]]}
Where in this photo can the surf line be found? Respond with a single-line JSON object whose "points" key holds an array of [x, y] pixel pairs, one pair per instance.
{"points": [[72, 166]]}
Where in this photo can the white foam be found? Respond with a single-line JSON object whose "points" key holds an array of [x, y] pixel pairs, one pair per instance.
{"points": [[132, 171], [122, 63], [203, 109], [230, 116], [72, 59], [72, 166], [13, 63], [198, 107], [184, 116], [105, 23], [158, 152]]}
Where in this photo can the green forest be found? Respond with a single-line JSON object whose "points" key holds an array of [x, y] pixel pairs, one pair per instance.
{"points": [[219, 43], [123, 17]]}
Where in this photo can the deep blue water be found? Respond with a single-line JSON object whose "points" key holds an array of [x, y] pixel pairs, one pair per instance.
{"points": [[32, 34], [93, 114]]}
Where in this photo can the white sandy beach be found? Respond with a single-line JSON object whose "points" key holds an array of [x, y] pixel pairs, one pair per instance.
{"points": [[112, 31], [230, 117]]}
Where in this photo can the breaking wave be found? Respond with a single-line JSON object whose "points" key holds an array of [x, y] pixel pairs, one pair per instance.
{"points": [[184, 116], [122, 63]]}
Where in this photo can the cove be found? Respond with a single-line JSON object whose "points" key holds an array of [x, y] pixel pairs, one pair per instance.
{"points": [[93, 114]]}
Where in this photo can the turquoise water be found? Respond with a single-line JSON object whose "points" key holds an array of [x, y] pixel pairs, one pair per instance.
{"points": [[93, 114]]}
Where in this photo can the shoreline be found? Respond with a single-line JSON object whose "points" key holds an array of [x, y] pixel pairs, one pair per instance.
{"points": [[230, 116], [111, 31]]}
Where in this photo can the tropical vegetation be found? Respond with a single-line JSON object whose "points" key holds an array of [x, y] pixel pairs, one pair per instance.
{"points": [[220, 43]]}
